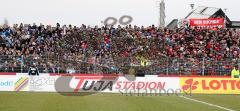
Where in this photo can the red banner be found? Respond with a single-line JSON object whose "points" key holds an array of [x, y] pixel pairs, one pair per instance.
{"points": [[207, 23]]}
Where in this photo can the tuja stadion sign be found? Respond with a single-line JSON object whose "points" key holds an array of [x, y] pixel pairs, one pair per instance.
{"points": [[211, 85], [115, 85]]}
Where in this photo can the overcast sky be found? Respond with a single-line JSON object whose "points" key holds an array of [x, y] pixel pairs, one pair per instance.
{"points": [[92, 12]]}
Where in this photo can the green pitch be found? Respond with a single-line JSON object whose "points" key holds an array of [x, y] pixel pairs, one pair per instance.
{"points": [[27, 101]]}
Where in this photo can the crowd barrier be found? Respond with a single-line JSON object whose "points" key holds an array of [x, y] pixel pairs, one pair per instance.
{"points": [[119, 84]]}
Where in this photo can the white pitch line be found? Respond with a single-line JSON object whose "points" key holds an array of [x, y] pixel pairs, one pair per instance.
{"points": [[209, 104]]}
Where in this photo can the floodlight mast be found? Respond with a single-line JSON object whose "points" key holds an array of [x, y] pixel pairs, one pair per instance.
{"points": [[162, 14]]}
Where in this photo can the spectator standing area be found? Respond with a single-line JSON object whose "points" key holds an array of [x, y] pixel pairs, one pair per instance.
{"points": [[61, 49]]}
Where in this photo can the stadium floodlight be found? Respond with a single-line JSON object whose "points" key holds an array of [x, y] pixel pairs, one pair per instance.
{"points": [[162, 15]]}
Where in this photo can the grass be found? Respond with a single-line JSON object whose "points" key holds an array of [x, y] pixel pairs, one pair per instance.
{"points": [[28, 101]]}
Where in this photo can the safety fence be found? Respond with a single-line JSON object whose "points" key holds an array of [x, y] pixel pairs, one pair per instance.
{"points": [[122, 65]]}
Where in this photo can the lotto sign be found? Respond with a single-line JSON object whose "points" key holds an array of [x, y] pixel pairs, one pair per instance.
{"points": [[210, 85], [207, 23]]}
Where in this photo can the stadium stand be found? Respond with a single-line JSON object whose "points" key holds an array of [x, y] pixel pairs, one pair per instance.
{"points": [[61, 49]]}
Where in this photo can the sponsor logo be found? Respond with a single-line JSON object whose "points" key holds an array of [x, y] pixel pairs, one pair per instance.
{"points": [[221, 84], [190, 85], [94, 83], [66, 85], [6, 83], [211, 85], [21, 84], [39, 83]]}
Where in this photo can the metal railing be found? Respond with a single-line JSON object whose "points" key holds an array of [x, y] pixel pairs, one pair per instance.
{"points": [[108, 65]]}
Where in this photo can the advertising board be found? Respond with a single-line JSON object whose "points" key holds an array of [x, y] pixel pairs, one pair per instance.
{"points": [[207, 23], [210, 85]]}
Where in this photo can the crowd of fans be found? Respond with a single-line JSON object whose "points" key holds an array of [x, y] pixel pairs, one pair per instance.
{"points": [[85, 49]]}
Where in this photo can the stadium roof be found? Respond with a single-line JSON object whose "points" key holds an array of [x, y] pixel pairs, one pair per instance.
{"points": [[203, 12]]}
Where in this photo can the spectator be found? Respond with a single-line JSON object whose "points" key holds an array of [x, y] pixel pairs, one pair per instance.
{"points": [[235, 72], [110, 45]]}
